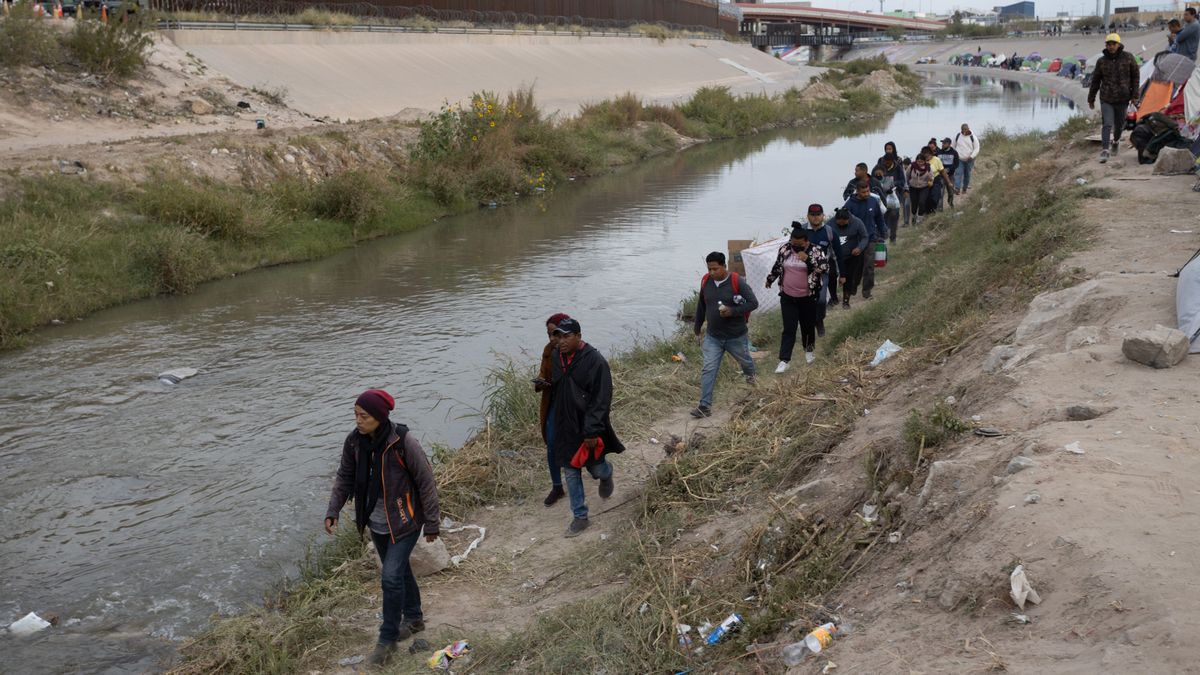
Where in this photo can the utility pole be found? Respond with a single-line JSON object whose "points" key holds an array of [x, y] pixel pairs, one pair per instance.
{"points": [[881, 6], [1107, 10]]}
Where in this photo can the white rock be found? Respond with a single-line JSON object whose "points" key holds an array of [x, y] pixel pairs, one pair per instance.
{"points": [[1158, 347]]}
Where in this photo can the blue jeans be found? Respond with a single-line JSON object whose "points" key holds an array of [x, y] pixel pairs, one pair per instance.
{"points": [[575, 485], [962, 177], [555, 472], [401, 597], [714, 350]]}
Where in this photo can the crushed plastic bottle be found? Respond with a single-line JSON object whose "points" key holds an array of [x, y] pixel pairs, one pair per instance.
{"points": [[820, 638]]}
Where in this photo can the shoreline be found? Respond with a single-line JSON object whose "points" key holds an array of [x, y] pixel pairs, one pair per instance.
{"points": [[234, 207]]}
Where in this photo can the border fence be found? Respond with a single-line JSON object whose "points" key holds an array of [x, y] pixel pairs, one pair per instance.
{"points": [[692, 15]]}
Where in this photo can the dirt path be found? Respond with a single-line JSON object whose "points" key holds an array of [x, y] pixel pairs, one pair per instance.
{"points": [[1108, 540]]}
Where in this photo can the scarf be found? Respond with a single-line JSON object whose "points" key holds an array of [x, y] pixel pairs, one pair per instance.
{"points": [[366, 474]]}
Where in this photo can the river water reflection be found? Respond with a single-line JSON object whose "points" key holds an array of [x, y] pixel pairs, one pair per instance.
{"points": [[136, 509]]}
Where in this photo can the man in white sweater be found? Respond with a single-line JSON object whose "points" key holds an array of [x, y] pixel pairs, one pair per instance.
{"points": [[967, 145]]}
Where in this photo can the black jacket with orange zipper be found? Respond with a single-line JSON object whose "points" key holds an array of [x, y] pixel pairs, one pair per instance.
{"points": [[407, 487]]}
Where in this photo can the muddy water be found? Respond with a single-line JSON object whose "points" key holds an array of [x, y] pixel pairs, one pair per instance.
{"points": [[136, 509]]}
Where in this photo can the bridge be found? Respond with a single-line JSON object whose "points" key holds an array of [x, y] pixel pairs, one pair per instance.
{"points": [[781, 25]]}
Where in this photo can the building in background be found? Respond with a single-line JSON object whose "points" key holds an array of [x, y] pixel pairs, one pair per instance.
{"points": [[1017, 10]]}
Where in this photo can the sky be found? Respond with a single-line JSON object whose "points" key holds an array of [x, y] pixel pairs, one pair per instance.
{"points": [[1044, 8]]}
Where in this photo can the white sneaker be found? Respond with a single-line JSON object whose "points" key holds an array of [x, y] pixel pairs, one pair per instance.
{"points": [[781, 368], [809, 357], [1103, 156]]}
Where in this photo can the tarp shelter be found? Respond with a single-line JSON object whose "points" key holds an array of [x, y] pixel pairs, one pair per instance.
{"points": [[1175, 68], [759, 260], [1187, 302], [1191, 97], [1157, 96]]}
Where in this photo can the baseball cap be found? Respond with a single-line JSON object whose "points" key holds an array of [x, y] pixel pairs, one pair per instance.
{"points": [[815, 210], [568, 326]]}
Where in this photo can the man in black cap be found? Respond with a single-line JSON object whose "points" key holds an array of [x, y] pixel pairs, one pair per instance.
{"points": [[387, 473], [821, 235], [949, 157], [581, 398]]}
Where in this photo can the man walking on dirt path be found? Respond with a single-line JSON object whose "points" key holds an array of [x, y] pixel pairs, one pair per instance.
{"points": [[1116, 79], [385, 471], [868, 208], [725, 302], [581, 397], [1188, 38], [542, 385], [966, 144], [949, 157], [852, 242], [821, 235]]}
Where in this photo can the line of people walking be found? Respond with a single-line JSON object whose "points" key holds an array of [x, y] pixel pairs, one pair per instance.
{"points": [[387, 474]]}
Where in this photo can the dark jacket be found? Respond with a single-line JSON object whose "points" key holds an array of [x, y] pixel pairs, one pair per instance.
{"points": [[407, 487], [899, 181], [740, 304], [949, 157], [1116, 78], [581, 389], [544, 373], [817, 264], [870, 211], [823, 237], [853, 185], [853, 235]]}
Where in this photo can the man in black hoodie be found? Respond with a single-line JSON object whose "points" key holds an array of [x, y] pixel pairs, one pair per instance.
{"points": [[389, 477], [1116, 79], [581, 397]]}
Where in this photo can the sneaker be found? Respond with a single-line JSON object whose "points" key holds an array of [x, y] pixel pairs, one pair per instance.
{"points": [[556, 493], [606, 488], [845, 304], [701, 411], [751, 380], [577, 527], [409, 628], [866, 296], [820, 329], [1115, 147], [1103, 156], [382, 654], [809, 357], [781, 368]]}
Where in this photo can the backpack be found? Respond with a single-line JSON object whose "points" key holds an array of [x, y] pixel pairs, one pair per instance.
{"points": [[733, 278]]}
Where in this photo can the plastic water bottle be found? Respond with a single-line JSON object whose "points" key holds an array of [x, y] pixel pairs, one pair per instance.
{"points": [[793, 654], [821, 637]]}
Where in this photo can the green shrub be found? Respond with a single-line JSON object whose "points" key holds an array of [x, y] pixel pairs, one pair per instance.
{"points": [[353, 196], [27, 40], [113, 50], [925, 431], [208, 210], [175, 260]]}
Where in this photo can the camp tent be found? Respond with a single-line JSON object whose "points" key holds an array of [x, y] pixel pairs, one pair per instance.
{"points": [[1157, 96], [1055, 66], [1187, 302]]}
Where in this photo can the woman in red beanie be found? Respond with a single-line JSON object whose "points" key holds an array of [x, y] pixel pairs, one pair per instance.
{"points": [[386, 472]]}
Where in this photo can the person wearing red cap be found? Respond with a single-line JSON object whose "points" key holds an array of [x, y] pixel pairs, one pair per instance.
{"points": [[385, 470], [546, 412]]}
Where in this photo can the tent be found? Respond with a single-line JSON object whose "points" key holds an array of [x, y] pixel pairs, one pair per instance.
{"points": [[1055, 66], [1175, 68], [1157, 96], [1187, 302], [1191, 97]]}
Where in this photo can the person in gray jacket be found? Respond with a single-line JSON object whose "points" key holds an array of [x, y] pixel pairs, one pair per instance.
{"points": [[853, 242], [725, 303]]}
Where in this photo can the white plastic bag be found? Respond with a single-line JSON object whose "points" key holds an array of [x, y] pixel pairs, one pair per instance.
{"points": [[1021, 590], [886, 350], [28, 625], [893, 202]]}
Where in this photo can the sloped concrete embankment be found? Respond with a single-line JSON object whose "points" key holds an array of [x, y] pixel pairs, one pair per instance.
{"points": [[363, 75]]}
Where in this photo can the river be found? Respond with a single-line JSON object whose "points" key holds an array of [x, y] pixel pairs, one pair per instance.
{"points": [[136, 509]]}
